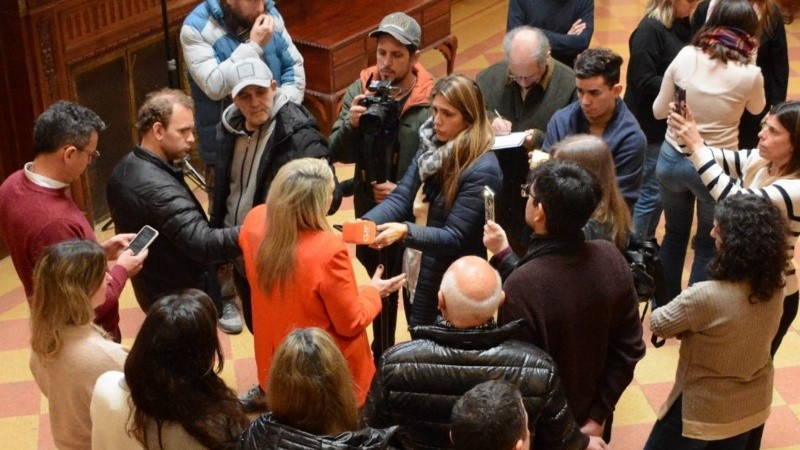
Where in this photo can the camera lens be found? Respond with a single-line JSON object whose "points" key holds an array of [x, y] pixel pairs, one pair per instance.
{"points": [[371, 122]]}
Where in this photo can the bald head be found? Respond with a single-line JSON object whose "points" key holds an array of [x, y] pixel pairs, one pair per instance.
{"points": [[526, 45], [470, 293]]}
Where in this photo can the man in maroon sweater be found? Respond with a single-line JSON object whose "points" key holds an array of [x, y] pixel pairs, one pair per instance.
{"points": [[36, 211], [576, 296]]}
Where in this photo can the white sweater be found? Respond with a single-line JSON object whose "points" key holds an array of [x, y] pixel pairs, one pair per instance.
{"points": [[717, 94], [111, 412]]}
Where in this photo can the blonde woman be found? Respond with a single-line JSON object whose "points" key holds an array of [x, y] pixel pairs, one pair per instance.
{"points": [[312, 402], [437, 210], [301, 275], [69, 352], [663, 31]]}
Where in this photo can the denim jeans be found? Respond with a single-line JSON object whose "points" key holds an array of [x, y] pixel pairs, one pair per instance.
{"points": [[647, 210], [667, 434], [681, 187]]}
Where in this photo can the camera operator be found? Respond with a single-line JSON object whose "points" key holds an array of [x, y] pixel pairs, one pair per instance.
{"points": [[382, 157]]}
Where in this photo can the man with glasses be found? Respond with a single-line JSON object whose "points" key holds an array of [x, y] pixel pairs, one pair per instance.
{"points": [[526, 89], [36, 211], [575, 296]]}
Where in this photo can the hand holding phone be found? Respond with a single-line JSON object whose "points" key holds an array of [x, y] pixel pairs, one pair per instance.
{"points": [[680, 100], [143, 239], [488, 200]]}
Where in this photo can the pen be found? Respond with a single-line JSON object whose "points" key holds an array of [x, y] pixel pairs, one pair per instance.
{"points": [[498, 114]]}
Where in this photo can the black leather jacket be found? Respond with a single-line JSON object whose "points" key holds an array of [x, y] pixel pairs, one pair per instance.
{"points": [[144, 190], [419, 382], [265, 433]]}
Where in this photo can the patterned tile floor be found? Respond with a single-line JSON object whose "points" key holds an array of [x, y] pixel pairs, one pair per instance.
{"points": [[479, 26]]}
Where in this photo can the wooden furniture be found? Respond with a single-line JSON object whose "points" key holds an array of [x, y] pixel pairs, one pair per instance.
{"points": [[332, 36], [104, 54]]}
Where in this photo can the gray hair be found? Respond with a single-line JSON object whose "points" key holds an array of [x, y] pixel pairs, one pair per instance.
{"points": [[539, 53], [465, 306]]}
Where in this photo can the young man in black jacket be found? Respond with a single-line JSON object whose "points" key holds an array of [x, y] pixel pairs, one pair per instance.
{"points": [[147, 188]]}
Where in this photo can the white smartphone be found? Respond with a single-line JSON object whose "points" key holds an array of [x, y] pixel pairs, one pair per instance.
{"points": [[488, 199], [143, 239]]}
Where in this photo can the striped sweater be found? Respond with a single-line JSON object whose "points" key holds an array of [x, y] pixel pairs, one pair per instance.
{"points": [[723, 172]]}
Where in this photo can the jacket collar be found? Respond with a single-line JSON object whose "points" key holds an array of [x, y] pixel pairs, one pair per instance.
{"points": [[468, 339], [175, 171], [364, 439]]}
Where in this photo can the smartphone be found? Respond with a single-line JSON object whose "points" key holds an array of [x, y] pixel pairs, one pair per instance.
{"points": [[680, 100], [488, 200], [143, 239]]}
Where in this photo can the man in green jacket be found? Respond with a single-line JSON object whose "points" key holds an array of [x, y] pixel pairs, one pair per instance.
{"points": [[526, 89], [382, 158]]}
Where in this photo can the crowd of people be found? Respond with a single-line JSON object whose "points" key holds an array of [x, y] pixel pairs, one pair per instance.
{"points": [[532, 348]]}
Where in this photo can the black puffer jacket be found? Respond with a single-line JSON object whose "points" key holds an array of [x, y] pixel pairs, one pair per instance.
{"points": [[143, 190], [295, 135], [419, 382], [267, 434]]}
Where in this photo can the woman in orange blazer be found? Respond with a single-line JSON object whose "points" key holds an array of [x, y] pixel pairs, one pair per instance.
{"points": [[301, 275]]}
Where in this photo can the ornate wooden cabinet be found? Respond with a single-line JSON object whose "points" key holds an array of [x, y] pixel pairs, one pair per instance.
{"points": [[105, 54]]}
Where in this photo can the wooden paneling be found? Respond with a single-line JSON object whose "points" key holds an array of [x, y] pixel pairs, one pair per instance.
{"points": [[43, 45]]}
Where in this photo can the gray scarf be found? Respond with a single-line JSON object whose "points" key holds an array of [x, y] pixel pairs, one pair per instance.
{"points": [[431, 152]]}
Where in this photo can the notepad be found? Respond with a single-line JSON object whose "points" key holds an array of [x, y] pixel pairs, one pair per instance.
{"points": [[513, 140]]}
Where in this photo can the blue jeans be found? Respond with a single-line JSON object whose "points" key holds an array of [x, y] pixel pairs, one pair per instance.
{"points": [[667, 434], [647, 210], [681, 187]]}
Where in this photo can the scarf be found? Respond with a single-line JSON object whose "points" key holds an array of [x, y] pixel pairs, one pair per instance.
{"points": [[432, 153], [734, 39], [540, 246]]}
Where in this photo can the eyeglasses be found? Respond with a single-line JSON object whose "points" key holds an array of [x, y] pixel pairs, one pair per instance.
{"points": [[525, 192], [93, 156], [529, 79]]}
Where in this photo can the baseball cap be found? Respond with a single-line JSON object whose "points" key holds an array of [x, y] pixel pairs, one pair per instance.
{"points": [[248, 72], [402, 27]]}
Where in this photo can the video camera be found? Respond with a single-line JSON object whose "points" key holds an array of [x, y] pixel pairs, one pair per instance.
{"points": [[379, 125], [383, 111]]}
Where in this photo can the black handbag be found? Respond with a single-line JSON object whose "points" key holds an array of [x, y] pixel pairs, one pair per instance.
{"points": [[648, 276]]}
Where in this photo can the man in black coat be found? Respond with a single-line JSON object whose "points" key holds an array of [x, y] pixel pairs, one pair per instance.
{"points": [[419, 382], [147, 188]]}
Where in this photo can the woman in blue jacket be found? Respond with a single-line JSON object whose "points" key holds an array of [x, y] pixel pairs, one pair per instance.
{"points": [[437, 210]]}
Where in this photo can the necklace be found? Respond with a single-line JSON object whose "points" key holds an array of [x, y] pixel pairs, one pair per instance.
{"points": [[403, 92]]}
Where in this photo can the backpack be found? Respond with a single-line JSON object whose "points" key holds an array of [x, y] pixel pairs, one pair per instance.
{"points": [[648, 276]]}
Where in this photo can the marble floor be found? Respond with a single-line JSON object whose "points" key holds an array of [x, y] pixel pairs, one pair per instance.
{"points": [[479, 26]]}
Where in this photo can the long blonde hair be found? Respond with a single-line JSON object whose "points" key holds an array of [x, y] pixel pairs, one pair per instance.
{"points": [[310, 386], [66, 276], [297, 201], [464, 95], [661, 10], [592, 154]]}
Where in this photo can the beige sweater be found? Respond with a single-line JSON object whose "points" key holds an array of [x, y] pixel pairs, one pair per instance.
{"points": [[724, 370], [68, 380]]}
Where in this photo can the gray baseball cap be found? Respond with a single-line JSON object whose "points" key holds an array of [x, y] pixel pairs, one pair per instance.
{"points": [[248, 72], [402, 27]]}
